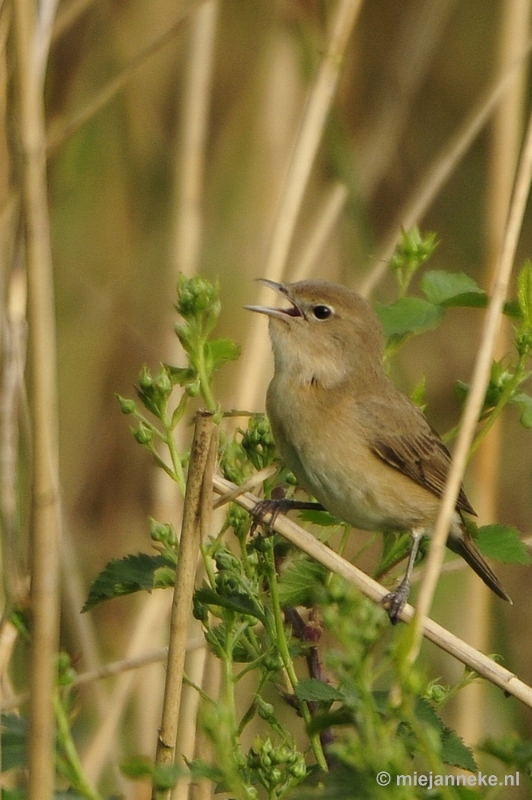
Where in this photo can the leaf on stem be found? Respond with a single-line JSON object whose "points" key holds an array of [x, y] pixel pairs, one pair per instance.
{"points": [[134, 573]]}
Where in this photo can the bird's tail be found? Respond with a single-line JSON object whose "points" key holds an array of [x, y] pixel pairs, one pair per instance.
{"points": [[465, 546]]}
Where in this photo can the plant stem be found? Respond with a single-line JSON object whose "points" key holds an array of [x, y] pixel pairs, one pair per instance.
{"points": [[65, 738], [179, 475], [196, 514], [30, 42], [504, 399], [282, 645]]}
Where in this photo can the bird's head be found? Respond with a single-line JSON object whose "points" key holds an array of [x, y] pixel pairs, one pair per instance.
{"points": [[325, 334]]}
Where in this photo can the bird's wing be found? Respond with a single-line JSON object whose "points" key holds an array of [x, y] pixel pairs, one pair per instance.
{"points": [[405, 440]]}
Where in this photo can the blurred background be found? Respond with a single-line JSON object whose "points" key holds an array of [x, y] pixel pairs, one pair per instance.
{"points": [[174, 129]]}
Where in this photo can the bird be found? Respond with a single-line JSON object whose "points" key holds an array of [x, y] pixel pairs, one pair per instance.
{"points": [[355, 442]]}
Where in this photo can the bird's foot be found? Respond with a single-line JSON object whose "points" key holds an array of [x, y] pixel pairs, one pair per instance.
{"points": [[279, 506], [273, 507], [395, 601]]}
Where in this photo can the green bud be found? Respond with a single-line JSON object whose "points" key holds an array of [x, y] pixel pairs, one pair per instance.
{"points": [[163, 532], [437, 693], [264, 544], [228, 583], [299, 769], [143, 434], [163, 384], [275, 776], [193, 389], [224, 559], [196, 295], [281, 754], [273, 662], [184, 334], [199, 611], [145, 379], [126, 406], [523, 343], [265, 710]]}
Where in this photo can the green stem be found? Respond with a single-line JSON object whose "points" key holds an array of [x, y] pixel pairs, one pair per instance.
{"points": [[179, 475], [78, 778], [282, 645], [504, 399], [204, 377]]}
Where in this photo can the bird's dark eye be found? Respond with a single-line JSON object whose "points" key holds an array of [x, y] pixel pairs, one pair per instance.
{"points": [[322, 312]]}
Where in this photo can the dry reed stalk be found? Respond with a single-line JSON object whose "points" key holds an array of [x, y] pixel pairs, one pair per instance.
{"points": [[507, 131], [82, 625], [477, 390], [435, 633], [12, 402], [301, 163], [68, 16], [191, 164], [421, 27], [187, 236], [196, 517], [97, 755], [327, 218], [63, 130], [31, 35], [438, 172]]}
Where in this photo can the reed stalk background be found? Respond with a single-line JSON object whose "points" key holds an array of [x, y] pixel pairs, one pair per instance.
{"points": [[237, 139]]}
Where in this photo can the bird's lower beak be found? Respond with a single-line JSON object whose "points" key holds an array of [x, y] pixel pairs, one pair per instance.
{"points": [[280, 313]]}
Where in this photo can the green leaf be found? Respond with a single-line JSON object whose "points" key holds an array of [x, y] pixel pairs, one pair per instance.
{"points": [[322, 518], [503, 543], [512, 751], [164, 777], [137, 767], [453, 289], [134, 573], [524, 401], [14, 742], [223, 350], [299, 580], [180, 376], [409, 315], [453, 751], [239, 603], [316, 691]]}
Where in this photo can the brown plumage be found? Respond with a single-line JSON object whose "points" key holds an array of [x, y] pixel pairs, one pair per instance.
{"points": [[355, 442]]}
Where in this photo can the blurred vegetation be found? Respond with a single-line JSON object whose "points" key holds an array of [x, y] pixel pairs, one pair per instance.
{"points": [[412, 74]]}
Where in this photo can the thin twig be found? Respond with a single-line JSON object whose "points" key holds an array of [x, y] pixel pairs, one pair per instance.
{"points": [[477, 390], [256, 480], [196, 515], [443, 638]]}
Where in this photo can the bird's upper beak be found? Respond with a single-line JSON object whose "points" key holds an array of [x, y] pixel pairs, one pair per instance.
{"points": [[280, 313]]}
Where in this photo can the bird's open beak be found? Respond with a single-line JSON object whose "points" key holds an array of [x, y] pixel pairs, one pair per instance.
{"points": [[280, 313]]}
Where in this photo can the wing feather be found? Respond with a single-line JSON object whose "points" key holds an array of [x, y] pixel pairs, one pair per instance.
{"points": [[408, 443]]}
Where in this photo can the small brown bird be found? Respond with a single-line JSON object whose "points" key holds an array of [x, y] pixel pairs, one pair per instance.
{"points": [[354, 441]]}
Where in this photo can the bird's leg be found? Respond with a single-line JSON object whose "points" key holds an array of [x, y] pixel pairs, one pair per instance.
{"points": [[280, 506], [394, 601]]}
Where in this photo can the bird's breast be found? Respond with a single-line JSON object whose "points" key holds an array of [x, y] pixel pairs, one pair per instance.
{"points": [[324, 444]]}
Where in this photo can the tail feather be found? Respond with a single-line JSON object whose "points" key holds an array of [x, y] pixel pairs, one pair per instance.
{"points": [[465, 547]]}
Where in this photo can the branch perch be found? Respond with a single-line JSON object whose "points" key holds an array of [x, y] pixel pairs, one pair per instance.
{"points": [[441, 637]]}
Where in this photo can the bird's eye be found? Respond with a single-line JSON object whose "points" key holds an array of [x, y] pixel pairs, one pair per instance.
{"points": [[322, 312]]}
